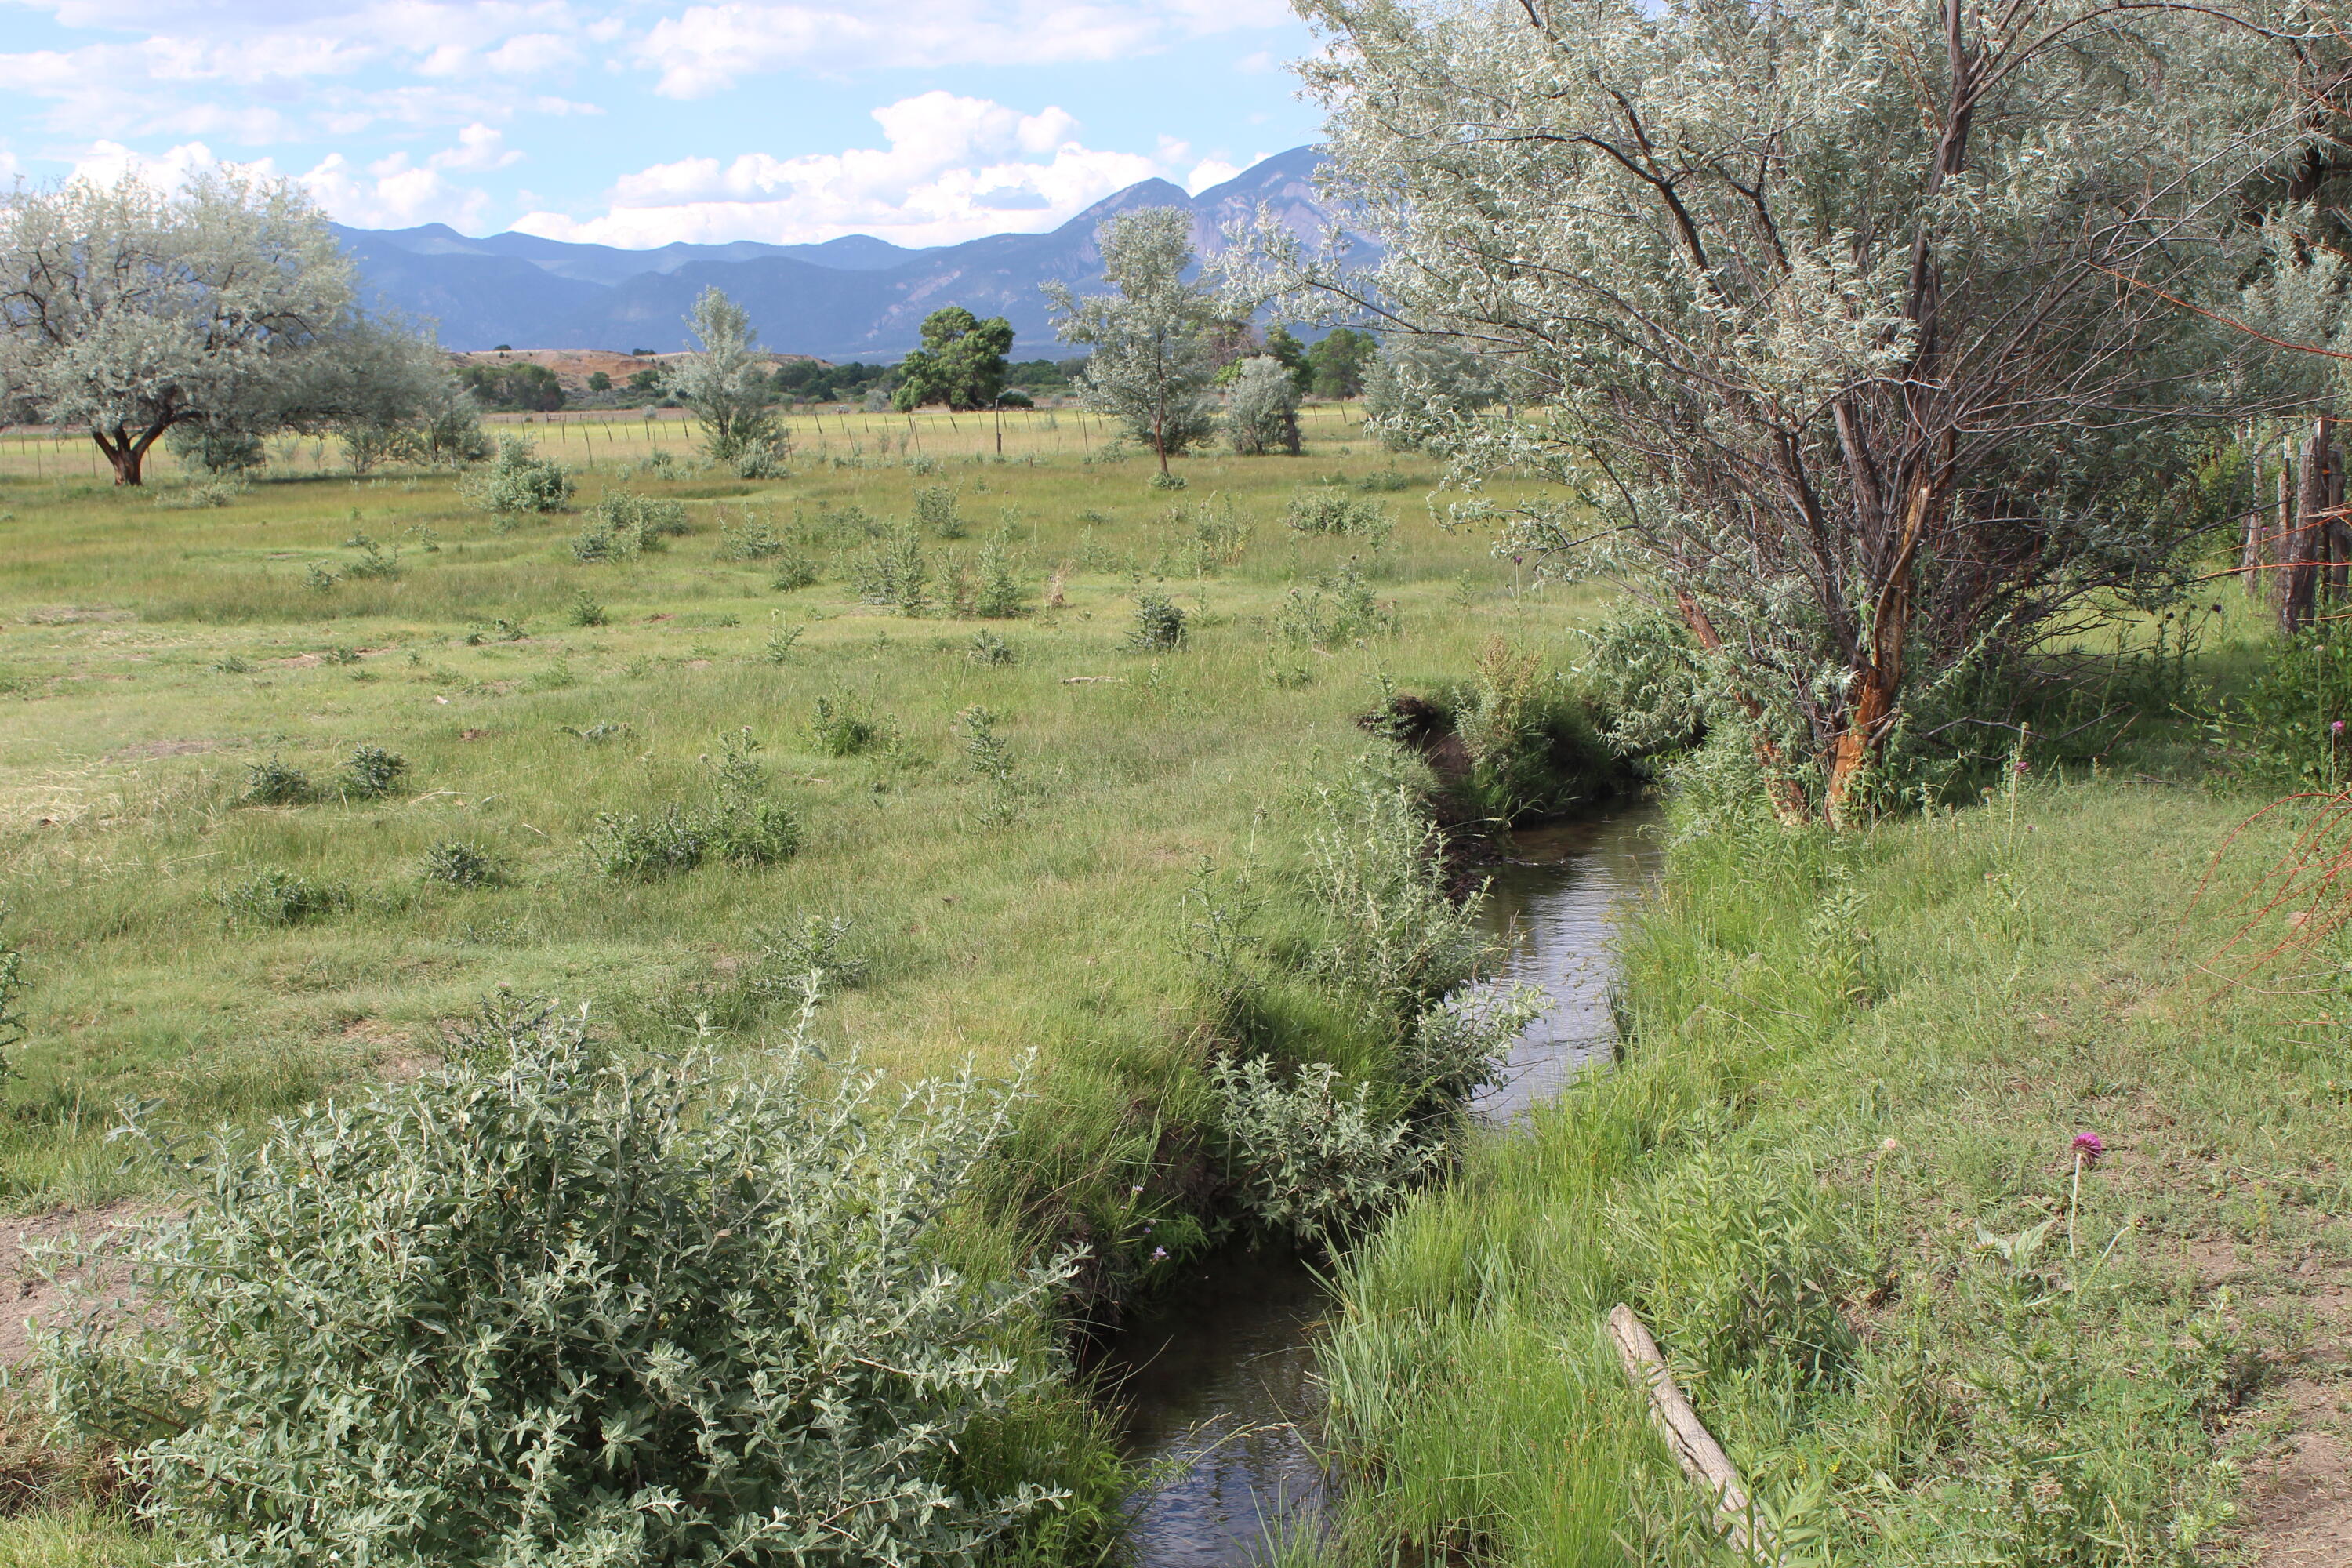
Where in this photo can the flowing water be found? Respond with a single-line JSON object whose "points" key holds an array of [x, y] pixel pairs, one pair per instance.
{"points": [[1216, 1376]]}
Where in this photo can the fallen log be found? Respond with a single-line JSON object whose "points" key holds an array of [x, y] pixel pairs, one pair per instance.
{"points": [[1695, 1448]]}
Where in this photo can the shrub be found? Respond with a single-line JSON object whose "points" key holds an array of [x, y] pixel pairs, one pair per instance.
{"points": [[1209, 537], [282, 898], [13, 1030], [1397, 936], [373, 773], [462, 865], [844, 730], [1459, 1046], [780, 642], [272, 783], [521, 482], [1000, 595], [2295, 721], [587, 611], [756, 833], [891, 571], [624, 525], [1158, 624], [1261, 414], [816, 945], [1330, 510], [1339, 608], [795, 571], [545, 1307], [754, 538], [1309, 1162], [987, 647], [935, 510], [628, 845]]}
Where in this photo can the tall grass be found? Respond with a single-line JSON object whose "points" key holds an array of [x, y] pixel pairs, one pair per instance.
{"points": [[1834, 1174]]}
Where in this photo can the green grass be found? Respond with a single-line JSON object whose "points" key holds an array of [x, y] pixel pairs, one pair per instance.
{"points": [[1849, 1062], [151, 658]]}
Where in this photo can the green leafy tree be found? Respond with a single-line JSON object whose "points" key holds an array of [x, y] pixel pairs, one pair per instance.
{"points": [[728, 387], [961, 363], [598, 381], [1287, 350], [1849, 321], [1152, 359], [131, 312], [1339, 360]]}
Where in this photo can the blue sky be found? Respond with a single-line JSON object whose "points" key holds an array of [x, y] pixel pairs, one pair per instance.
{"points": [[635, 123]]}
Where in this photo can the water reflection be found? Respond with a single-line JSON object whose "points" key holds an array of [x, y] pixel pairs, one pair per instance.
{"points": [[1557, 900], [1217, 1377]]}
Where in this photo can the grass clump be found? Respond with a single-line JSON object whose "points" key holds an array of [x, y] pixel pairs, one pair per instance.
{"points": [[843, 728], [281, 898], [271, 782], [1160, 625], [372, 773], [1331, 511], [459, 863], [450, 1282]]}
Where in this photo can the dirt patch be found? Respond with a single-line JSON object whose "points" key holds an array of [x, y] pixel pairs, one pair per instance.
{"points": [[2299, 1498], [29, 1296], [146, 749], [473, 734], [76, 615]]}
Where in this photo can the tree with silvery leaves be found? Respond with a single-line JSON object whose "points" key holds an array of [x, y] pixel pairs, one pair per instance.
{"points": [[1152, 359], [728, 385], [133, 312], [1861, 330]]}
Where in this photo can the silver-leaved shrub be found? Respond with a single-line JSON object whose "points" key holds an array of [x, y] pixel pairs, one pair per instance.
{"points": [[548, 1305]]}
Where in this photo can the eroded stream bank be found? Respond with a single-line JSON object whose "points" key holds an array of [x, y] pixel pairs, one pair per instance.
{"points": [[1217, 1375]]}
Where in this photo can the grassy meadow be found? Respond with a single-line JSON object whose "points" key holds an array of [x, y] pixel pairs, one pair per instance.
{"points": [[154, 656], [1835, 1169]]}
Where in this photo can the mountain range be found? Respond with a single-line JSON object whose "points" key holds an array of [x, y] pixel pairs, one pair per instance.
{"points": [[852, 298]]}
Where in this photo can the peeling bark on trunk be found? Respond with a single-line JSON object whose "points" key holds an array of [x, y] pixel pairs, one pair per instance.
{"points": [[1878, 685]]}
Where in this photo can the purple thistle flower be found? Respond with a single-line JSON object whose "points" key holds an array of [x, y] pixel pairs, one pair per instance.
{"points": [[2089, 1146], [2336, 727], [1159, 1255]]}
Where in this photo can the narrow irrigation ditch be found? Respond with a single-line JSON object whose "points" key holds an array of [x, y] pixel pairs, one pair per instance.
{"points": [[1215, 1375]]}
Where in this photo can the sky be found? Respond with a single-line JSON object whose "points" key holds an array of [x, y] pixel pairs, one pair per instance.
{"points": [[638, 123]]}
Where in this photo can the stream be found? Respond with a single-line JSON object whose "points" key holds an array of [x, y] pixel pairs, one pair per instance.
{"points": [[1217, 1377]]}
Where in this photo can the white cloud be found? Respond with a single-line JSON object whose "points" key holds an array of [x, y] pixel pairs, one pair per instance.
{"points": [[1209, 172], [479, 148], [706, 48], [392, 192], [953, 169]]}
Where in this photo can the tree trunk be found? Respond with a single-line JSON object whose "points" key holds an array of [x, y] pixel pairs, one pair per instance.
{"points": [[126, 453], [1878, 685], [1789, 807], [2251, 553], [2282, 539], [2307, 542], [1159, 435]]}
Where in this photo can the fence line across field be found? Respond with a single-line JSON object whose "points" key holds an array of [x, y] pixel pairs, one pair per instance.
{"points": [[600, 439]]}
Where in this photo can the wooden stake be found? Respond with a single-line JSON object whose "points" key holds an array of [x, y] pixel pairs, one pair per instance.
{"points": [[1695, 1448]]}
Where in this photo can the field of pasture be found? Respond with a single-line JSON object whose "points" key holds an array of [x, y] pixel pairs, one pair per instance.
{"points": [[191, 941]]}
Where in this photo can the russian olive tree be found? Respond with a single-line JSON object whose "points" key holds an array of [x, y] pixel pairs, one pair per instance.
{"points": [[1849, 319]]}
